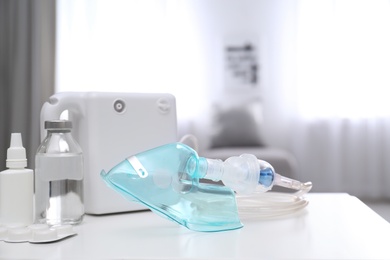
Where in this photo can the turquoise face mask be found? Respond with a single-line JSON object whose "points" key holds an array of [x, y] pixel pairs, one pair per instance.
{"points": [[166, 180]]}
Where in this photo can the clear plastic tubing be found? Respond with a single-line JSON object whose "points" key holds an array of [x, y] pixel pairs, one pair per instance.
{"points": [[59, 177], [251, 178]]}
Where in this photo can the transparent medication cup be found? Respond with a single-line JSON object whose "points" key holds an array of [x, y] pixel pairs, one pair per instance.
{"points": [[59, 177]]}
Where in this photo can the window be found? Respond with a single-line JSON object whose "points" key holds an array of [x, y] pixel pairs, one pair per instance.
{"points": [[130, 46], [344, 58]]}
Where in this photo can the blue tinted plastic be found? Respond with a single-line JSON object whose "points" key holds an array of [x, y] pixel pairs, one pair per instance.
{"points": [[266, 177], [165, 179]]}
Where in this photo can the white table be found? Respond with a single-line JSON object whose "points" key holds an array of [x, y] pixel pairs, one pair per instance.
{"points": [[333, 226]]}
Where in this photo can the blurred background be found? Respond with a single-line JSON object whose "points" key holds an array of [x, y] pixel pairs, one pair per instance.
{"points": [[315, 73]]}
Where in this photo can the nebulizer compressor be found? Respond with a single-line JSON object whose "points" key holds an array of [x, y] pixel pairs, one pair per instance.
{"points": [[166, 179]]}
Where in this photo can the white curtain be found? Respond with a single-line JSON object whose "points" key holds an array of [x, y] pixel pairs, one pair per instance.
{"points": [[345, 155], [334, 110], [324, 72]]}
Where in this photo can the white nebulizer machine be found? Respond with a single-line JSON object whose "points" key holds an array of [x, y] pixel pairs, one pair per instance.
{"points": [[108, 126]]}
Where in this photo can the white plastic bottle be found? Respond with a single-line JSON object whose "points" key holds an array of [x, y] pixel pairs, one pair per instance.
{"points": [[16, 187]]}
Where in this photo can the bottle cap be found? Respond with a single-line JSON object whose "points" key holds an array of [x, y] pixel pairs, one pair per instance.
{"points": [[58, 124], [16, 154]]}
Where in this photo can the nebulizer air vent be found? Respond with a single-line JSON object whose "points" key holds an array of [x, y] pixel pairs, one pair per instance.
{"points": [[166, 180]]}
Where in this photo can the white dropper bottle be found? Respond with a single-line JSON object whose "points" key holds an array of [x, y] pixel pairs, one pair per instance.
{"points": [[16, 187]]}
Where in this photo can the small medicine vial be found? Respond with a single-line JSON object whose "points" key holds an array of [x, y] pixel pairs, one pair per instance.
{"points": [[16, 187], [59, 177]]}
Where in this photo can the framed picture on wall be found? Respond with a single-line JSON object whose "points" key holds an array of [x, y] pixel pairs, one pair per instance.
{"points": [[241, 63]]}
